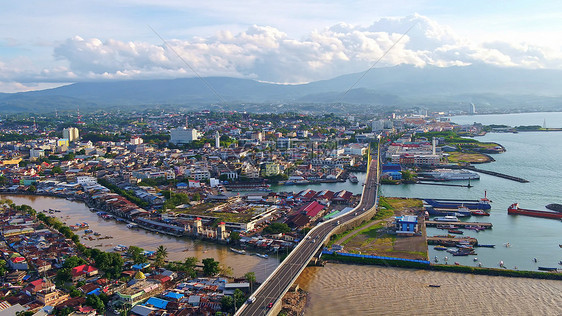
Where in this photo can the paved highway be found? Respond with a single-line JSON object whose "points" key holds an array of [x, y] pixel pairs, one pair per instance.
{"points": [[283, 277]]}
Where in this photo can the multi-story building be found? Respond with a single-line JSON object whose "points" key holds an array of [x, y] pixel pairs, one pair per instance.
{"points": [[183, 135], [70, 133]]}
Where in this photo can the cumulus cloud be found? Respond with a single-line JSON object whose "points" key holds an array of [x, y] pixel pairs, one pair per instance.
{"points": [[268, 54]]}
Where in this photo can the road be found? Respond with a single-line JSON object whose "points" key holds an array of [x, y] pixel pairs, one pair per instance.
{"points": [[283, 277]]}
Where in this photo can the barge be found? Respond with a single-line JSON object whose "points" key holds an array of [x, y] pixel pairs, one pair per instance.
{"points": [[514, 209]]}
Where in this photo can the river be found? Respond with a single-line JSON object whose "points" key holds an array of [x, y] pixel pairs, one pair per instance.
{"points": [[73, 212], [370, 290]]}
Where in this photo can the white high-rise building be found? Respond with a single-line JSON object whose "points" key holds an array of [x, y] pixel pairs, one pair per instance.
{"points": [[217, 140], [183, 135], [70, 133]]}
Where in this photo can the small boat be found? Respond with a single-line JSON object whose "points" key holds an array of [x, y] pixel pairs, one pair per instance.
{"points": [[440, 248], [455, 231], [479, 213], [507, 245], [475, 259], [548, 269], [501, 263], [262, 255], [97, 234], [486, 246], [88, 231], [132, 225], [434, 285], [239, 251], [457, 264], [436, 259]]}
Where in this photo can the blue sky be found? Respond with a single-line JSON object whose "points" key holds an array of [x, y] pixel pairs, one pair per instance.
{"points": [[49, 43]]}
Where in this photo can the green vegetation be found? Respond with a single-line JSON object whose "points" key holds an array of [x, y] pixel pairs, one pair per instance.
{"points": [[129, 195], [276, 228], [174, 199], [210, 267]]}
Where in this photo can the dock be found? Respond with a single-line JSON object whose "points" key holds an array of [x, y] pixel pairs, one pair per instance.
{"points": [[450, 241], [459, 224]]}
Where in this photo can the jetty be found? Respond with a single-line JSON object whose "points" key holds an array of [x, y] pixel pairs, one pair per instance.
{"points": [[497, 174], [446, 184]]}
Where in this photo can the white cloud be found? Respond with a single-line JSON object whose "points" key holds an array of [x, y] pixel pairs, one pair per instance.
{"points": [[269, 54]]}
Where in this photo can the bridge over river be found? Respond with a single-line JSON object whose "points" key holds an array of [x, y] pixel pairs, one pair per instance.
{"points": [[278, 283]]}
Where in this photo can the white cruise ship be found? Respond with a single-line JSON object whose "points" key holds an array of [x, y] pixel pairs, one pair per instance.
{"points": [[449, 175]]}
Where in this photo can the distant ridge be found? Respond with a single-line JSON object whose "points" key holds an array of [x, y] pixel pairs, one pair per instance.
{"points": [[431, 87]]}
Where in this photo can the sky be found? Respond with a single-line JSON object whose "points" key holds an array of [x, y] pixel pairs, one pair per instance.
{"points": [[45, 44]]}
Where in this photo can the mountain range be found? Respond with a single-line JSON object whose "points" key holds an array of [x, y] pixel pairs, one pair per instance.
{"points": [[489, 88]]}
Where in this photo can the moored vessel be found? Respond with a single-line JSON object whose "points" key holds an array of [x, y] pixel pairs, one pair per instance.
{"points": [[514, 209]]}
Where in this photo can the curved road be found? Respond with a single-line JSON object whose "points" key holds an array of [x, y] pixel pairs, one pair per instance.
{"points": [[286, 273]]}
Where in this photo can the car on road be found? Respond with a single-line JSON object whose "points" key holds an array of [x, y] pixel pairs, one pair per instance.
{"points": [[251, 299], [270, 305]]}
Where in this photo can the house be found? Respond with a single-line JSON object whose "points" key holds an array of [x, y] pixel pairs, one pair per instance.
{"points": [[83, 271], [406, 225]]}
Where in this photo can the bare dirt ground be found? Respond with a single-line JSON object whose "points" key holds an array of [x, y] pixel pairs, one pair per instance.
{"points": [[377, 238]]}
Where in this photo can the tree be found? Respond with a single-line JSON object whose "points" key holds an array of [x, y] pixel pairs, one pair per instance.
{"points": [[276, 228], [227, 303], [95, 302], [56, 170], [190, 262], [161, 254], [2, 267], [239, 298], [210, 267], [73, 261], [234, 237], [136, 253], [251, 277]]}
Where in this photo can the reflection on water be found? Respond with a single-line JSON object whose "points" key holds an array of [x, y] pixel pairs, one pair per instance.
{"points": [[371, 290], [178, 248]]}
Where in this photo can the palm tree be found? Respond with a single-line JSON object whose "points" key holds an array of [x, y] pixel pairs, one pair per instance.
{"points": [[161, 254], [251, 277]]}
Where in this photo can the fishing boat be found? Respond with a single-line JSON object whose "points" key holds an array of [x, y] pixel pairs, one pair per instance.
{"points": [[486, 246], [479, 213], [238, 251], [440, 248], [353, 178], [455, 231]]}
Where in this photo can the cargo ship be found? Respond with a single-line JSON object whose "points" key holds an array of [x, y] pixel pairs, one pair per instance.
{"points": [[514, 209]]}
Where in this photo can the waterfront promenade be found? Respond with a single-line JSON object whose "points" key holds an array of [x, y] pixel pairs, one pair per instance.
{"points": [[268, 295]]}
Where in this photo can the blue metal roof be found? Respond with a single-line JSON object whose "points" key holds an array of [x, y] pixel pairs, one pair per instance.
{"points": [[174, 295], [157, 302]]}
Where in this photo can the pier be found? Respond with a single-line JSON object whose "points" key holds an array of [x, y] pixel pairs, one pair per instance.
{"points": [[450, 241], [458, 224]]}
